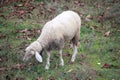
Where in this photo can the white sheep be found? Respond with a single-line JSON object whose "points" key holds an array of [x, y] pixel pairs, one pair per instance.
{"points": [[64, 27]]}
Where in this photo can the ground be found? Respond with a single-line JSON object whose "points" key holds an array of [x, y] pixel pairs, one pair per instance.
{"points": [[98, 53]]}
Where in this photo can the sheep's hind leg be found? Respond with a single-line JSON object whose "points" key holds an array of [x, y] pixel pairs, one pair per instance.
{"points": [[74, 53], [75, 42], [48, 60], [61, 59]]}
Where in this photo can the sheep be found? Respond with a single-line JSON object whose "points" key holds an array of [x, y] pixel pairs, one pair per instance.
{"points": [[63, 28]]}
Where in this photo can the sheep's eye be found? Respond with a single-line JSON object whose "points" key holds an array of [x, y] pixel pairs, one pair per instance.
{"points": [[32, 52], [29, 55], [24, 51]]}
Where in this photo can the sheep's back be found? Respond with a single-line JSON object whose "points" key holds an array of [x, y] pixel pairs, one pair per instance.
{"points": [[65, 25]]}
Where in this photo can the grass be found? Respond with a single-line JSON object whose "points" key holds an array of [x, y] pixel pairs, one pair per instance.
{"points": [[95, 49]]}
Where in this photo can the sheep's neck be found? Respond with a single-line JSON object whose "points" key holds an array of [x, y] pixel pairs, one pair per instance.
{"points": [[43, 41]]}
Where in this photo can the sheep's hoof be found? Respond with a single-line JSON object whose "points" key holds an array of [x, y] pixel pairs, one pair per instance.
{"points": [[72, 59], [61, 64], [71, 62], [46, 67]]}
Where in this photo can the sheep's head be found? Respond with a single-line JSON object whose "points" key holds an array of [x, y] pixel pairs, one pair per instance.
{"points": [[31, 50]]}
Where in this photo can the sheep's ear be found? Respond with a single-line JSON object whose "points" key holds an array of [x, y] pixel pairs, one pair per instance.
{"points": [[38, 56]]}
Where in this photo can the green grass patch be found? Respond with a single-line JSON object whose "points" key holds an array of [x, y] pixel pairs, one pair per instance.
{"points": [[94, 52]]}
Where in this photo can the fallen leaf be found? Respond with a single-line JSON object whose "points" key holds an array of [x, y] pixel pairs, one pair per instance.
{"points": [[99, 6], [0, 47], [118, 30], [31, 64], [108, 8], [21, 12], [18, 66], [2, 36], [94, 27], [100, 18], [70, 70], [19, 78], [51, 78], [49, 10], [67, 54], [106, 65], [88, 18], [78, 3], [19, 5], [81, 63], [28, 33], [28, 38], [118, 52], [39, 78], [3, 16], [3, 69], [107, 33], [82, 56], [23, 31], [27, 3], [0, 59], [90, 78]]}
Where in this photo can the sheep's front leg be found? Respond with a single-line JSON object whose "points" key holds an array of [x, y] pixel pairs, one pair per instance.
{"points": [[74, 53], [61, 59], [48, 60]]}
